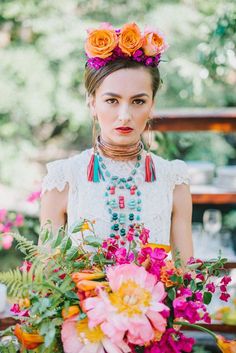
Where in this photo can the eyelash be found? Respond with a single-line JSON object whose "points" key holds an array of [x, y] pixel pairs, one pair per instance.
{"points": [[113, 99]]}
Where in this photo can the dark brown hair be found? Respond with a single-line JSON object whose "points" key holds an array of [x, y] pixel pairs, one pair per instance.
{"points": [[93, 78]]}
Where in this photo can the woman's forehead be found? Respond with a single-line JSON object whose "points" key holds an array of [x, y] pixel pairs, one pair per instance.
{"points": [[130, 82]]}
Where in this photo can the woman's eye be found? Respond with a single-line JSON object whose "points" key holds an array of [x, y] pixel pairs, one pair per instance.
{"points": [[110, 100], [140, 101]]}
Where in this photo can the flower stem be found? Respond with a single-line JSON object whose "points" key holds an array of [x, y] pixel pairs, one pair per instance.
{"points": [[200, 328]]}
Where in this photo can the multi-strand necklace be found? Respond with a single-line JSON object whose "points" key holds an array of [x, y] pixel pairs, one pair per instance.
{"points": [[117, 201]]}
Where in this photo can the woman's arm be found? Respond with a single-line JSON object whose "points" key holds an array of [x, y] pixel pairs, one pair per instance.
{"points": [[181, 223], [53, 208]]}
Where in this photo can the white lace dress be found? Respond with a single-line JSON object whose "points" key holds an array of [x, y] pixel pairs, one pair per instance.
{"points": [[86, 199]]}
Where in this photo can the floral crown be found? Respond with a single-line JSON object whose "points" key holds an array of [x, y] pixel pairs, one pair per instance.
{"points": [[107, 44]]}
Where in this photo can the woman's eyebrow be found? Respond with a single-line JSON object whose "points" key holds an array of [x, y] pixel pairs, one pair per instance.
{"points": [[117, 95]]}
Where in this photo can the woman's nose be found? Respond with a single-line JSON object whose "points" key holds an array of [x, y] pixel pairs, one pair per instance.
{"points": [[124, 115]]}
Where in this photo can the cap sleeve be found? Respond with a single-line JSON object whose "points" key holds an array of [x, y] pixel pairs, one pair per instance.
{"points": [[57, 175], [179, 173]]}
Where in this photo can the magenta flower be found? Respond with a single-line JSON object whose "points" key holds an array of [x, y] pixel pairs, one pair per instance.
{"points": [[34, 196], [192, 311], [26, 266], [19, 220], [144, 236], [225, 297], [172, 341], [211, 287], [123, 257], [226, 280]]}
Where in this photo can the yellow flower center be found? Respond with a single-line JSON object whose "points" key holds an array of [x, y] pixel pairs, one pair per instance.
{"points": [[130, 298], [86, 334]]}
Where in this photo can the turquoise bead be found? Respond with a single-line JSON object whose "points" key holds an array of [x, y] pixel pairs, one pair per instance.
{"points": [[133, 172], [114, 177], [100, 160], [139, 157], [107, 173], [103, 166], [139, 209], [112, 235], [138, 218], [122, 232], [139, 201], [138, 193], [130, 178], [137, 165]]}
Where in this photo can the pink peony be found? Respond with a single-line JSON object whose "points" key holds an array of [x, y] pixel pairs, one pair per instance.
{"points": [[134, 306], [78, 337]]}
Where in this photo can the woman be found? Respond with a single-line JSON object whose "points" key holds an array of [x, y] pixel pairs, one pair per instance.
{"points": [[117, 183]]}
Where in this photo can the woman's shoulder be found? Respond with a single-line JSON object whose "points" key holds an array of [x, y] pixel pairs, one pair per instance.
{"points": [[175, 170], [60, 171]]}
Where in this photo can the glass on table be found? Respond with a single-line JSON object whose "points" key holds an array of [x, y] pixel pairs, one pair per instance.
{"points": [[212, 223]]}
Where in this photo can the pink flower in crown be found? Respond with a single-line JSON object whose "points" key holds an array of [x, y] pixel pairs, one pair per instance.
{"points": [[7, 241], [154, 42], [133, 306]]}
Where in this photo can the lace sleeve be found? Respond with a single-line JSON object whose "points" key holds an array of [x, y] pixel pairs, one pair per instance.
{"points": [[179, 173], [57, 175]]}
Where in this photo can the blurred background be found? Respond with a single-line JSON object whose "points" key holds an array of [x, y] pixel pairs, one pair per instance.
{"points": [[43, 113]]}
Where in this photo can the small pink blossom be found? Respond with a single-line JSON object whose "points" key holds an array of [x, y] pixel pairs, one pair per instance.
{"points": [[19, 220], [224, 297], [7, 241], [16, 310], [123, 257], [26, 266], [3, 213], [226, 280], [34, 196], [144, 236], [211, 287]]}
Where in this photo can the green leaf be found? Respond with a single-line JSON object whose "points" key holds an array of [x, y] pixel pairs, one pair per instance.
{"points": [[50, 335], [59, 239], [171, 293], [71, 295], [66, 244], [207, 296], [193, 285], [79, 265], [72, 253], [78, 227], [93, 241]]}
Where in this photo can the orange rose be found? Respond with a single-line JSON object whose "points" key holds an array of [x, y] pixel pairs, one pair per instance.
{"points": [[28, 340], [71, 311], [226, 346], [154, 42], [130, 38], [101, 42]]}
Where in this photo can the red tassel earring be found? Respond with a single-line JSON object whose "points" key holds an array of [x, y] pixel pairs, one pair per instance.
{"points": [[94, 171], [150, 172]]}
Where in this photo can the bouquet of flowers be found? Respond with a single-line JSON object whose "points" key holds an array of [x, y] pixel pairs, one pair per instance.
{"points": [[108, 296]]}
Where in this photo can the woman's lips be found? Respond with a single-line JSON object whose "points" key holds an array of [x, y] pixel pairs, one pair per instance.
{"points": [[124, 130]]}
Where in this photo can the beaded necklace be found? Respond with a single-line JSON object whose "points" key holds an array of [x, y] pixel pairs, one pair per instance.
{"points": [[116, 202]]}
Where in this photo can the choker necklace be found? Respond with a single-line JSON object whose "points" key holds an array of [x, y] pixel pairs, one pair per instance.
{"points": [[120, 152]]}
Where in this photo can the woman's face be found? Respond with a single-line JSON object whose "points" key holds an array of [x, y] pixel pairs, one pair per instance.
{"points": [[123, 103]]}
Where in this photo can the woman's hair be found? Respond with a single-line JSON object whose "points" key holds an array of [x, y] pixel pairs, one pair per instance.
{"points": [[93, 78]]}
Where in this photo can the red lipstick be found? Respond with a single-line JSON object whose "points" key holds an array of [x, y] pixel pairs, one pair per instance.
{"points": [[124, 129]]}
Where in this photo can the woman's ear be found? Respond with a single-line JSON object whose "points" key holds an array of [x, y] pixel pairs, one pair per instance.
{"points": [[90, 100]]}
